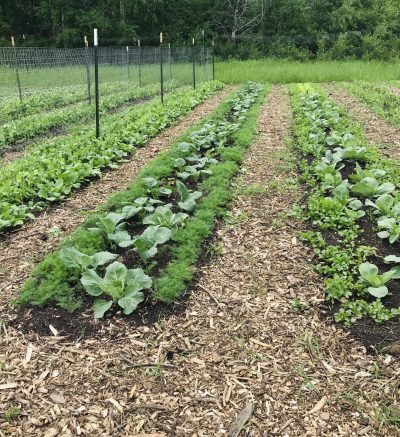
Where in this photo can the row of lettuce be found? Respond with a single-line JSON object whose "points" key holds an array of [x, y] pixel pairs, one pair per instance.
{"points": [[144, 244], [353, 206], [12, 108], [50, 171], [31, 126]]}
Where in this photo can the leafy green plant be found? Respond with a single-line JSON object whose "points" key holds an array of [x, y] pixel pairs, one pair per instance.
{"points": [[74, 259], [164, 217], [392, 229], [377, 283], [146, 244], [385, 205], [119, 283], [188, 199], [370, 187]]}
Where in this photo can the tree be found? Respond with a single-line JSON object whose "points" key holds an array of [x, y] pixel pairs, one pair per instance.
{"points": [[234, 17]]}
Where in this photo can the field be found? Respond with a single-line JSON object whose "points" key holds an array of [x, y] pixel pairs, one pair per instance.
{"points": [[223, 263]]}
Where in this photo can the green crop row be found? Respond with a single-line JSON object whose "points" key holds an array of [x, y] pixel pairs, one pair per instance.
{"points": [[353, 206], [13, 108], [150, 235], [378, 97], [51, 171], [38, 124]]}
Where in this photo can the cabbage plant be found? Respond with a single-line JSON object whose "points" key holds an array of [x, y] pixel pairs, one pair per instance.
{"points": [[120, 284], [377, 283]]}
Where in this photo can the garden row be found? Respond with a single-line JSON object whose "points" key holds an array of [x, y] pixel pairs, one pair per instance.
{"points": [[52, 170], [353, 206], [378, 97], [41, 100], [150, 236], [38, 124]]}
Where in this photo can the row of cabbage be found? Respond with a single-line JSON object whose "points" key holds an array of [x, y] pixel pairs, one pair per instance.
{"points": [[151, 235], [353, 206], [50, 172]]}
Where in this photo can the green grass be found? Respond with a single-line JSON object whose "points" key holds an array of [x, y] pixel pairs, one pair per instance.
{"points": [[280, 71]]}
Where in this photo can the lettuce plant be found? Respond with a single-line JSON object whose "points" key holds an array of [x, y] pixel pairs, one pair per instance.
{"points": [[119, 283]]}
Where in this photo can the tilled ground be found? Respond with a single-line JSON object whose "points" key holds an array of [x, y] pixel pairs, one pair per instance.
{"points": [[376, 130], [241, 356], [22, 248]]}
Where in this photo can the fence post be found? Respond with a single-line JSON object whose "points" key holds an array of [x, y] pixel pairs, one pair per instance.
{"points": [[213, 61], [194, 64], [96, 82], [170, 61], [87, 69], [17, 69], [127, 63], [140, 69], [161, 68]]}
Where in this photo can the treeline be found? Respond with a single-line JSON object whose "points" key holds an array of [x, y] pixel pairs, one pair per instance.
{"points": [[292, 29]]}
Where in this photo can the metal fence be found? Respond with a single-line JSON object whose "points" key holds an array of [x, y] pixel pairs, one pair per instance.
{"points": [[26, 70]]}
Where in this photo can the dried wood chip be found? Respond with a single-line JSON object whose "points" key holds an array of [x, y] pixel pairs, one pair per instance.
{"points": [[8, 386], [243, 417], [116, 404], [319, 405], [57, 398]]}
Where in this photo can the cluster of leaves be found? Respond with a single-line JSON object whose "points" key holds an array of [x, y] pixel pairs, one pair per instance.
{"points": [[52, 170], [171, 218], [336, 204], [37, 124]]}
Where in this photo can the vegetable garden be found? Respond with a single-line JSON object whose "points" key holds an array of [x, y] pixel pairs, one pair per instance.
{"points": [[223, 263]]}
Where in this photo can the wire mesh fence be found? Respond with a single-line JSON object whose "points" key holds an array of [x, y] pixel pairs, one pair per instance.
{"points": [[29, 70]]}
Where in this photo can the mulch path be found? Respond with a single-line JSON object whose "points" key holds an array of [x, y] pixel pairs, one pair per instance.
{"points": [[237, 358], [376, 130]]}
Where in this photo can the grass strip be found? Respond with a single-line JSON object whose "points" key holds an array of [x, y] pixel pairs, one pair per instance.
{"points": [[52, 282]]}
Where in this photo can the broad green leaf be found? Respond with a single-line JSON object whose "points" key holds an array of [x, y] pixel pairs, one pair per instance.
{"points": [[92, 282], [130, 303], [101, 258], [100, 307], [378, 291]]}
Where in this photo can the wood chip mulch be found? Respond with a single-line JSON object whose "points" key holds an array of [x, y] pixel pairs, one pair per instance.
{"points": [[240, 360], [377, 131], [22, 248]]}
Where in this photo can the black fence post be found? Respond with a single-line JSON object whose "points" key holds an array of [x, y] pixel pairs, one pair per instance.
{"points": [[88, 69], [161, 68], [194, 64], [140, 67], [96, 82], [17, 69]]}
